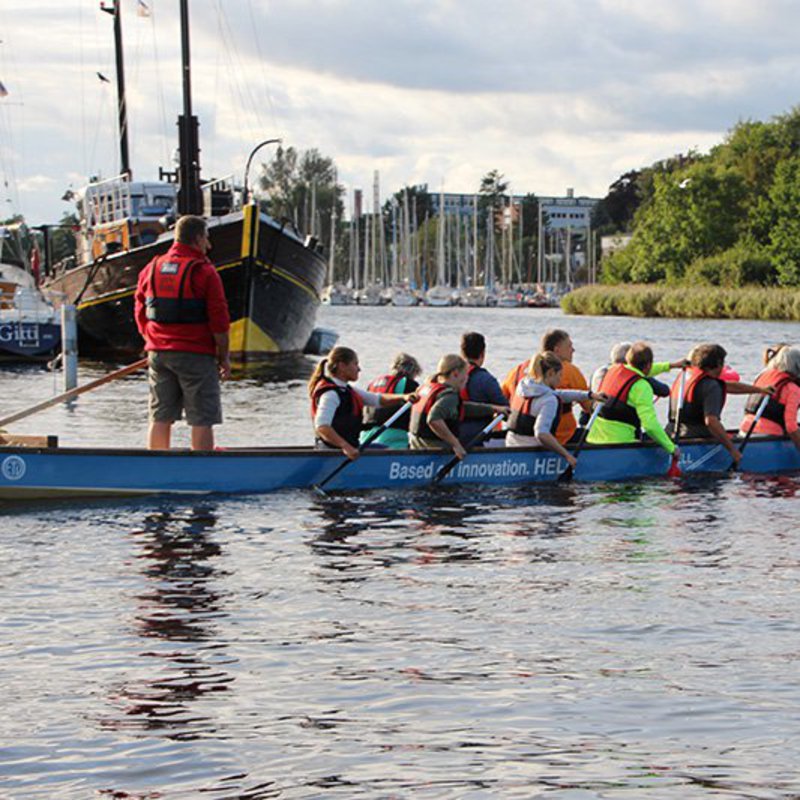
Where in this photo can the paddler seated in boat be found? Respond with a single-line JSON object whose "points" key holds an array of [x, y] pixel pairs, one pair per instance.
{"points": [[559, 342], [537, 404], [618, 355], [629, 409], [439, 410], [780, 414], [336, 406], [704, 397], [481, 386], [399, 380]]}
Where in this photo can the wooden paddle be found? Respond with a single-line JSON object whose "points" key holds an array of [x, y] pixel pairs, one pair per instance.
{"points": [[60, 398], [371, 438], [567, 474], [759, 411], [479, 437], [674, 469]]}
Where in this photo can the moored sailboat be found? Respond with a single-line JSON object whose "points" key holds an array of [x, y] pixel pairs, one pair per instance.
{"points": [[29, 324]]}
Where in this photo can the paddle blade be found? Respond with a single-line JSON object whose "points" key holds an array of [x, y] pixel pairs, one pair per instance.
{"points": [[674, 470]]}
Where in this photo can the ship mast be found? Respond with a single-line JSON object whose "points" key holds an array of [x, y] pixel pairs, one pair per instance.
{"points": [[115, 11], [190, 198]]}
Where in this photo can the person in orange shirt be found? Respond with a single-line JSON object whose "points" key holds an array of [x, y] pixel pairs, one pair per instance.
{"points": [[559, 342]]}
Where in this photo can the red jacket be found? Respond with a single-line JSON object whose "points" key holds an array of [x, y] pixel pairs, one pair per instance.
{"points": [[194, 337]]}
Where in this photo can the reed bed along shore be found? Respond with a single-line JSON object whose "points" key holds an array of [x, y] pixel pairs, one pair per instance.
{"points": [[701, 302]]}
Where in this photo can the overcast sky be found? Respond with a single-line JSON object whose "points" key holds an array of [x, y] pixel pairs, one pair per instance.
{"points": [[568, 93]]}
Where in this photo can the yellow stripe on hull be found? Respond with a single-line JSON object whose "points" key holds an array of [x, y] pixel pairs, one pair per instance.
{"points": [[247, 337]]}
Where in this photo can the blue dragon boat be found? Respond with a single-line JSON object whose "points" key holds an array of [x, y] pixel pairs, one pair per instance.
{"points": [[52, 471]]}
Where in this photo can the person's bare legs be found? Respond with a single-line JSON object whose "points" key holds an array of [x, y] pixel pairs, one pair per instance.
{"points": [[202, 437], [158, 435]]}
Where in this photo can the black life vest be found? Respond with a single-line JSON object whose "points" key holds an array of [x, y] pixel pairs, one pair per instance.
{"points": [[170, 296], [692, 413], [387, 384], [347, 419], [774, 411], [428, 394], [617, 384], [521, 420]]}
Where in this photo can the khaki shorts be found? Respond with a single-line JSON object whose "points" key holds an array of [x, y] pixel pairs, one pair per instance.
{"points": [[184, 382]]}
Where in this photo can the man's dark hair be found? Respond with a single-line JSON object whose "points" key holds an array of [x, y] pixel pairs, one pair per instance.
{"points": [[640, 355], [473, 345], [189, 229], [708, 356], [552, 339]]}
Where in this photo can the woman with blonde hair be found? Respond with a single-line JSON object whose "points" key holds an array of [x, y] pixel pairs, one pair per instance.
{"points": [[779, 418], [336, 406], [536, 406], [436, 415]]}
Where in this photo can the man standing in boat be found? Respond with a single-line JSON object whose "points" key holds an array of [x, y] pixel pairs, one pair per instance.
{"points": [[182, 314]]}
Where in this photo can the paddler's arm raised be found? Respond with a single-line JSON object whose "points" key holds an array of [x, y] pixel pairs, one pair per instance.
{"points": [[737, 387], [474, 410]]}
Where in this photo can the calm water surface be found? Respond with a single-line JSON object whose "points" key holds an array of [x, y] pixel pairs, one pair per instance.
{"points": [[604, 641]]}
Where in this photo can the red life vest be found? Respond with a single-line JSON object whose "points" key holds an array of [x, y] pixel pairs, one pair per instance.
{"points": [[429, 393], [521, 420], [774, 411], [692, 413], [387, 384], [170, 297], [470, 369], [347, 418], [617, 384]]}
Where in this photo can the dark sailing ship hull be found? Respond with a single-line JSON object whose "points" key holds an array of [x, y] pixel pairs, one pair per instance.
{"points": [[272, 281]]}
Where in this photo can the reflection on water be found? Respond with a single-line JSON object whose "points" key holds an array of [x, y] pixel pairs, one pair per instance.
{"points": [[281, 368], [177, 616]]}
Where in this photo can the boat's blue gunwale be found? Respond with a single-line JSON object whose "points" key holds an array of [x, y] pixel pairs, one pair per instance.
{"points": [[295, 450], [71, 471]]}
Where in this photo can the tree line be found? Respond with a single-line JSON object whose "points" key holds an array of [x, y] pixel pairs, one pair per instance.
{"points": [[729, 218]]}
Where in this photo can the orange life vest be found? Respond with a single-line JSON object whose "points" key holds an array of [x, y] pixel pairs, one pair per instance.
{"points": [[617, 384], [774, 411], [692, 411]]}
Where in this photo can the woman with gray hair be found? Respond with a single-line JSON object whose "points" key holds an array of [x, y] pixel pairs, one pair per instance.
{"points": [[780, 414], [400, 380], [616, 356]]}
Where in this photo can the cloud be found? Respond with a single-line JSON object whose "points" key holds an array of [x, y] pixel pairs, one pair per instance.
{"points": [[553, 95]]}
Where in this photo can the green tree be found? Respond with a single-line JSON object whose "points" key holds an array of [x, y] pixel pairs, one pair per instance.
{"points": [[492, 195], [785, 233], [63, 241], [693, 213], [302, 188]]}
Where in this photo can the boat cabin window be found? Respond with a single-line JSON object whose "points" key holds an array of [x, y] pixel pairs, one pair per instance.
{"points": [[151, 206]]}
